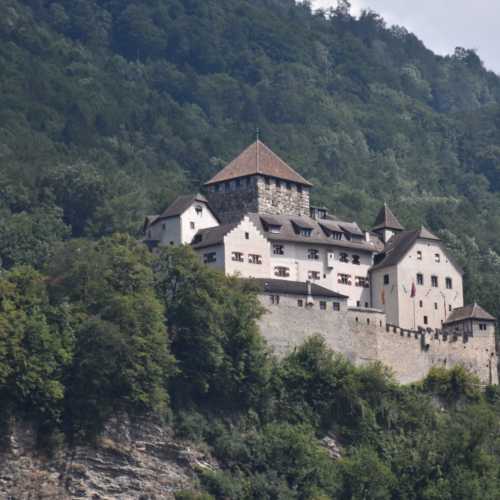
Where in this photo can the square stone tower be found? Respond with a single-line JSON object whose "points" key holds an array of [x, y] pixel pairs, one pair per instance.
{"points": [[259, 181]]}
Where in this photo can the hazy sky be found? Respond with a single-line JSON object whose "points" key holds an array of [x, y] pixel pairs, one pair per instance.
{"points": [[442, 24]]}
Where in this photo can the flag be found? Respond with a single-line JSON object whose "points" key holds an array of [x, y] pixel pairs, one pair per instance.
{"points": [[382, 296], [413, 290]]}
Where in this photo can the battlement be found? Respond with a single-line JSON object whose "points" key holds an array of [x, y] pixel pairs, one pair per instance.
{"points": [[364, 336]]}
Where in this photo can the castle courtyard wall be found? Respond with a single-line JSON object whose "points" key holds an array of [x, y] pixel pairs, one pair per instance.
{"points": [[363, 336]]}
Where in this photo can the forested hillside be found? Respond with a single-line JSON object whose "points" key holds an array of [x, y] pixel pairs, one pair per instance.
{"points": [[108, 109]]}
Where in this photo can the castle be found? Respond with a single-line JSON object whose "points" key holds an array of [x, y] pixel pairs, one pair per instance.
{"points": [[389, 294]]}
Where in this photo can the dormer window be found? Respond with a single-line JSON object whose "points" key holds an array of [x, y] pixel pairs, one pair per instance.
{"points": [[336, 235], [305, 232], [274, 229]]}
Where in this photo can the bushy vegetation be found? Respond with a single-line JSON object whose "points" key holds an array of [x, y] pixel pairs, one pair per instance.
{"points": [[107, 328]]}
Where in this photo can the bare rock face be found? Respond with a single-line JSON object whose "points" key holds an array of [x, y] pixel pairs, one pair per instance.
{"points": [[131, 461]]}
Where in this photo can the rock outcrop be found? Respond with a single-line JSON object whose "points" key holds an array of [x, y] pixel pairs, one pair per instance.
{"points": [[130, 461]]}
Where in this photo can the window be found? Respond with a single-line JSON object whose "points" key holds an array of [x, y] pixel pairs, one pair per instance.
{"points": [[275, 299], [191, 225], [300, 303], [344, 279], [149, 233], [343, 257], [299, 188], [305, 232], [355, 260], [237, 257], [247, 236], [336, 235], [227, 186], [482, 326], [209, 257], [449, 307], [283, 272], [288, 186], [420, 279], [164, 226], [199, 210], [426, 320], [216, 188], [313, 254], [434, 281], [386, 279], [366, 305], [437, 257], [238, 183], [278, 184], [313, 275], [419, 255], [336, 306], [275, 229], [254, 259], [358, 304], [449, 283], [421, 303], [322, 305], [435, 305], [362, 281], [267, 181], [278, 250]]}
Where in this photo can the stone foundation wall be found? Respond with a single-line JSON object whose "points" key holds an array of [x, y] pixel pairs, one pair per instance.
{"points": [[363, 336]]}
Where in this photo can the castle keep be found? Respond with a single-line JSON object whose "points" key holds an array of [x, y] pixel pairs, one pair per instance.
{"points": [[387, 294]]}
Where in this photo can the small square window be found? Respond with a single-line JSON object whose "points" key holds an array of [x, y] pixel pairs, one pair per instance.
{"points": [[275, 299], [300, 303]]}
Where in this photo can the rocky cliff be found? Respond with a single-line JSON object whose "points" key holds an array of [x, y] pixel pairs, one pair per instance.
{"points": [[130, 461]]}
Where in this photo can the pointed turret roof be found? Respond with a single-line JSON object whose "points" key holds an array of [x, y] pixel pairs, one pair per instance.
{"points": [[258, 159], [387, 220], [472, 311]]}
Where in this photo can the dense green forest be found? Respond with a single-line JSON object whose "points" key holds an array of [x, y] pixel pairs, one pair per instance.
{"points": [[106, 327], [111, 108]]}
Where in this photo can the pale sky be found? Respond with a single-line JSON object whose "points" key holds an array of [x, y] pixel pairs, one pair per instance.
{"points": [[442, 24]]}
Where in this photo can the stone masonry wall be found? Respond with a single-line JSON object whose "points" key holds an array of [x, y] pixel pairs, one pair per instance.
{"points": [[363, 336], [283, 200]]}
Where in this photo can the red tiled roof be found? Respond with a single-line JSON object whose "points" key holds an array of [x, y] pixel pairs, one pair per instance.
{"points": [[258, 159]]}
